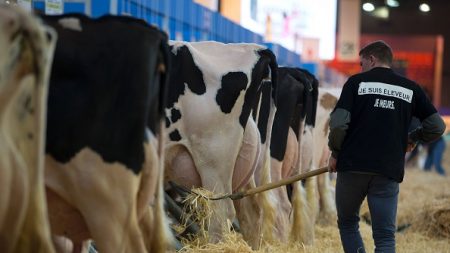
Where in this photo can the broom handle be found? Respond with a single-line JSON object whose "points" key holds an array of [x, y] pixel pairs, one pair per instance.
{"points": [[239, 195]]}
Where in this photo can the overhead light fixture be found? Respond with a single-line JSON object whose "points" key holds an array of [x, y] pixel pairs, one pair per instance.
{"points": [[424, 7], [381, 12], [368, 7], [392, 3]]}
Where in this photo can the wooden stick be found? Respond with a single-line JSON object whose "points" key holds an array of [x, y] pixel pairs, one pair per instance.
{"points": [[242, 194]]}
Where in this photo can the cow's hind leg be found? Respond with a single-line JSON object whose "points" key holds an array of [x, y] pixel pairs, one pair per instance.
{"points": [[114, 225], [109, 208]]}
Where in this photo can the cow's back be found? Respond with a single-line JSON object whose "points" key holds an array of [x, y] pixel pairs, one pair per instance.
{"points": [[102, 86]]}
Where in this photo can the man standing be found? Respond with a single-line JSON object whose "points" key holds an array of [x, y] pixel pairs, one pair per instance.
{"points": [[368, 139]]}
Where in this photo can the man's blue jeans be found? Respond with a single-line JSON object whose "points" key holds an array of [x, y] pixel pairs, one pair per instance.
{"points": [[382, 197]]}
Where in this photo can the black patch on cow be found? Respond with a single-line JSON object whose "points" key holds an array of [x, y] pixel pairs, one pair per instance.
{"points": [[175, 115], [290, 97], [297, 101], [296, 119], [264, 110], [311, 97], [105, 88], [30, 136], [183, 71], [231, 86], [265, 67], [311, 111], [167, 122], [303, 100], [307, 109], [175, 135]]}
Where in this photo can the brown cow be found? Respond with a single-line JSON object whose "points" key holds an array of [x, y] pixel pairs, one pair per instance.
{"points": [[26, 49]]}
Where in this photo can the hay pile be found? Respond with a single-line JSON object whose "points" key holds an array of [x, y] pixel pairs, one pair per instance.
{"points": [[327, 242], [197, 208], [232, 242], [420, 196], [434, 220]]}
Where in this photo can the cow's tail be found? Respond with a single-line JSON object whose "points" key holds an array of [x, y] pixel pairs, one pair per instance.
{"points": [[267, 115], [302, 229], [273, 75], [301, 221], [162, 235], [312, 196], [269, 210]]}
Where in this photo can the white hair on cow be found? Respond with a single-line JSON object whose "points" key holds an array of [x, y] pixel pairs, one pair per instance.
{"points": [[302, 229]]}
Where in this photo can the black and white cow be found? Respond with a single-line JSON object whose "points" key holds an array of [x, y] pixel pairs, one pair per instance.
{"points": [[293, 122], [296, 105], [26, 51], [213, 141], [303, 148], [300, 142], [295, 115], [105, 107]]}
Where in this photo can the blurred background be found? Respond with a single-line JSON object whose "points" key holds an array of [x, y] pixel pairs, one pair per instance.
{"points": [[323, 36]]}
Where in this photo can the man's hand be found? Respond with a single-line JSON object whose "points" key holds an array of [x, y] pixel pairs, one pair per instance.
{"points": [[411, 145], [332, 164]]}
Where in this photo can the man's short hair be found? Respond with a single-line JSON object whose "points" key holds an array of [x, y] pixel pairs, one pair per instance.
{"points": [[380, 50]]}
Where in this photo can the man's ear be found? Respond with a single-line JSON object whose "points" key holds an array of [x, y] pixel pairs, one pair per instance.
{"points": [[373, 60]]}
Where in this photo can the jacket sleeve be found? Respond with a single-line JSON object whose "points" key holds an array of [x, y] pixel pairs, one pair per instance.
{"points": [[340, 119], [432, 124], [432, 128]]}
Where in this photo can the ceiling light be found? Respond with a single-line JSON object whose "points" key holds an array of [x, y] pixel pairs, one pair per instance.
{"points": [[392, 3], [424, 7], [381, 12], [368, 7]]}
